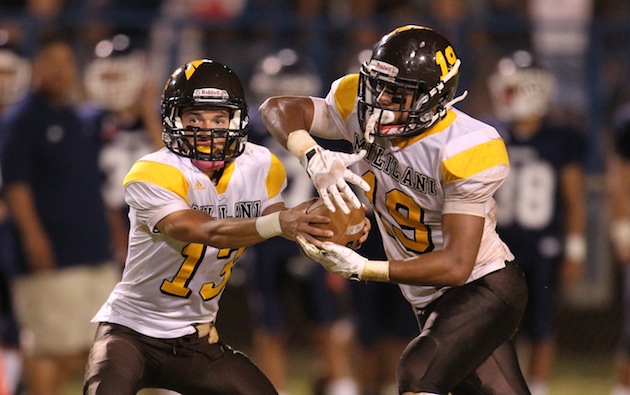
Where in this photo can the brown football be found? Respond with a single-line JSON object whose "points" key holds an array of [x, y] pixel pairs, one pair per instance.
{"points": [[348, 228]]}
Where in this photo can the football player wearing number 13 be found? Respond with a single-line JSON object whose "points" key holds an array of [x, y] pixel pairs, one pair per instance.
{"points": [[430, 172], [194, 207]]}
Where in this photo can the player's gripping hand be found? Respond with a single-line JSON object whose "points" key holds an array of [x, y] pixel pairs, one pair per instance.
{"points": [[328, 170], [330, 175], [335, 258]]}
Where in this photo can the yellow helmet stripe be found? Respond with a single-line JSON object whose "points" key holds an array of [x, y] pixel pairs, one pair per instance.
{"points": [[191, 67]]}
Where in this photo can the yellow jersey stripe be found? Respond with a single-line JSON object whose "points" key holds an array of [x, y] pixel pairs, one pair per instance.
{"points": [[475, 160], [275, 178], [346, 94], [439, 126], [225, 177], [166, 176]]}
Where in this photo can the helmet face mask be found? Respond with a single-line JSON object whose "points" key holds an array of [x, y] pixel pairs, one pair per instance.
{"points": [[204, 85], [114, 79], [418, 69], [520, 89]]}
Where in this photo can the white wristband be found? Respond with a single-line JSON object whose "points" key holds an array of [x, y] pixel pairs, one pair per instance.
{"points": [[375, 271], [620, 232], [575, 248], [300, 141], [268, 226]]}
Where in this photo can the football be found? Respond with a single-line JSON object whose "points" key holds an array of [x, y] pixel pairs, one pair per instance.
{"points": [[348, 228]]}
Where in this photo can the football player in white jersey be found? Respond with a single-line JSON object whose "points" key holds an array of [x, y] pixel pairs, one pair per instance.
{"points": [[194, 207], [430, 172]]}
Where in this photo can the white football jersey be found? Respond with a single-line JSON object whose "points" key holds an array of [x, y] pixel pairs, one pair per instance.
{"points": [[456, 162], [168, 285]]}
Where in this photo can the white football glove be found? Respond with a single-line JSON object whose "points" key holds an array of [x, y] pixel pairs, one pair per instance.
{"points": [[329, 172], [335, 258]]}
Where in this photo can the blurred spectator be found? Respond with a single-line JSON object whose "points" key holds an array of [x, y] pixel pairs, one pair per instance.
{"points": [[15, 76], [115, 82], [52, 187], [278, 262], [543, 215], [619, 195]]}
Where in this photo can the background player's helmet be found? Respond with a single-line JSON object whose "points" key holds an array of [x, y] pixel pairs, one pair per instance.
{"points": [[520, 88], [15, 75], [204, 83], [114, 79], [411, 59], [284, 73]]}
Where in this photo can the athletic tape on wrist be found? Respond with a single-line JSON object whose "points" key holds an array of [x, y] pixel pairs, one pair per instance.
{"points": [[300, 141], [375, 271], [620, 232], [268, 226], [575, 248]]}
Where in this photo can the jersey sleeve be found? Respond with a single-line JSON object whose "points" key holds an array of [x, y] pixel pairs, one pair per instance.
{"points": [[473, 168], [275, 182], [342, 100], [155, 190]]}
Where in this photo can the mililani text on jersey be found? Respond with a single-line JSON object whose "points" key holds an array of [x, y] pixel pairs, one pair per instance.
{"points": [[249, 209], [389, 165]]}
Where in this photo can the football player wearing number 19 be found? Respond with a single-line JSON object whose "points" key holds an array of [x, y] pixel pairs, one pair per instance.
{"points": [[430, 172], [195, 206]]}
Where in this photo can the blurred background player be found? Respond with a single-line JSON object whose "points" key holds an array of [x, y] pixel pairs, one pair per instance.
{"points": [[542, 216], [116, 81], [280, 273], [619, 195], [15, 78], [52, 184]]}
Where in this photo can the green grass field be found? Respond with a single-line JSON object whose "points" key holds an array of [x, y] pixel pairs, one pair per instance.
{"points": [[573, 376]]}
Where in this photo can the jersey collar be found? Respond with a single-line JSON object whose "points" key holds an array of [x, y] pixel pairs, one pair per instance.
{"points": [[437, 128]]}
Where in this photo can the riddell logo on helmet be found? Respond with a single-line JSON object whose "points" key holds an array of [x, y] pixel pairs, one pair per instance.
{"points": [[211, 92], [382, 67]]}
